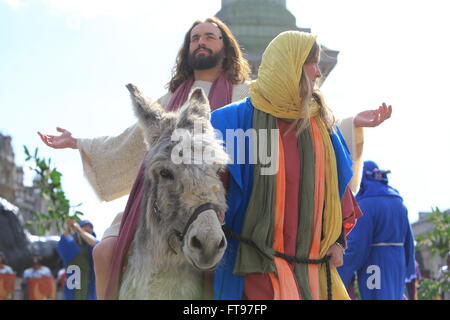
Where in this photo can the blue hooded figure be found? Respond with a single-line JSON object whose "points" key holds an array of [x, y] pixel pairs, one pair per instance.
{"points": [[75, 249], [380, 248]]}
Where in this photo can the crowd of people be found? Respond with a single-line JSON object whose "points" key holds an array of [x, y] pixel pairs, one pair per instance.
{"points": [[38, 282]]}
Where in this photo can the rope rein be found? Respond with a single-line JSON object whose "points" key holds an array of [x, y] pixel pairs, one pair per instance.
{"points": [[291, 259]]}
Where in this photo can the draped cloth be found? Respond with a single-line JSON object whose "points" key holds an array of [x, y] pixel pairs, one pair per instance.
{"points": [[276, 91], [276, 95], [127, 231], [239, 115], [264, 220], [220, 95]]}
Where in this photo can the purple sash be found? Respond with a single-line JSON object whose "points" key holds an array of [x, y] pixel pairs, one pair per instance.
{"points": [[219, 95]]}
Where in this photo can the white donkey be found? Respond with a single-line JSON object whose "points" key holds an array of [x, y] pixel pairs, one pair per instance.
{"points": [[179, 235]]}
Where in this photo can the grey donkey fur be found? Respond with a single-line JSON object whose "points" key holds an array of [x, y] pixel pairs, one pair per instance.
{"points": [[161, 266]]}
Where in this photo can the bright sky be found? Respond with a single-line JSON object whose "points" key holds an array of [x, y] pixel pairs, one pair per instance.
{"points": [[65, 63]]}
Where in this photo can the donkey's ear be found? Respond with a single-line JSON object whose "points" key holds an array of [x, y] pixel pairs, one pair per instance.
{"points": [[198, 104], [196, 107], [149, 113], [198, 95]]}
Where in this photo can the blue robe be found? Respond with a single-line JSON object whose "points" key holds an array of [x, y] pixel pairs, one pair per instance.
{"points": [[380, 248], [68, 249], [239, 115]]}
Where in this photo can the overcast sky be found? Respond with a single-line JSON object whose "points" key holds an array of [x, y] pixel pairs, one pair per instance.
{"points": [[65, 63]]}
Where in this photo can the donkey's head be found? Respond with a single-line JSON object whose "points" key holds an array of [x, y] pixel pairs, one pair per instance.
{"points": [[184, 199]]}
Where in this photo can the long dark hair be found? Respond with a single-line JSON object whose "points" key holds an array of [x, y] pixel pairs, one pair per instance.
{"points": [[236, 67]]}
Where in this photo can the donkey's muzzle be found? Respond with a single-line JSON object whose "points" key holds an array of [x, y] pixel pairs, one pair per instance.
{"points": [[203, 240]]}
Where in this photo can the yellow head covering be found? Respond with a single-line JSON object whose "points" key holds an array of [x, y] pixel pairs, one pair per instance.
{"points": [[276, 91]]}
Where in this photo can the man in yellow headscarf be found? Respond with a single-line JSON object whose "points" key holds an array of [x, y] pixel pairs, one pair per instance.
{"points": [[287, 224]]}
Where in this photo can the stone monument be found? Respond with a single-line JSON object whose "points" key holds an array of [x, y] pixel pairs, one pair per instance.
{"points": [[256, 22]]}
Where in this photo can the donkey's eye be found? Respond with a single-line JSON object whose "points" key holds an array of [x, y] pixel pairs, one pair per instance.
{"points": [[166, 174]]}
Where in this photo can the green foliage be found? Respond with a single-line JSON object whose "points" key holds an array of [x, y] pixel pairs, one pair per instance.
{"points": [[48, 180], [433, 289], [438, 242]]}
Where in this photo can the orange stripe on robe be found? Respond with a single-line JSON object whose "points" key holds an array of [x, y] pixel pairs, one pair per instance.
{"points": [[283, 282]]}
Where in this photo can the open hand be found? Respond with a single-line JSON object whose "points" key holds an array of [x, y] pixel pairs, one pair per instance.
{"points": [[65, 140], [373, 118]]}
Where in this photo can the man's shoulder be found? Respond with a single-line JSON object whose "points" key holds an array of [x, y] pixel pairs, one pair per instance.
{"points": [[27, 273], [241, 91], [6, 269], [243, 85], [45, 271]]}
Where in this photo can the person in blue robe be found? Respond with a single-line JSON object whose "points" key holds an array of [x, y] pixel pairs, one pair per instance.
{"points": [[75, 249], [239, 115], [380, 248]]}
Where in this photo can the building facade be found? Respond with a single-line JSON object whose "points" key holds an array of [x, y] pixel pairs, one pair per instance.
{"points": [[25, 199]]}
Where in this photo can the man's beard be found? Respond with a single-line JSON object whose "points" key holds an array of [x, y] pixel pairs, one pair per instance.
{"points": [[204, 62]]}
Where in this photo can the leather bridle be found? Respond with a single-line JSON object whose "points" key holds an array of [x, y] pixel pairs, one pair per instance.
{"points": [[180, 235]]}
